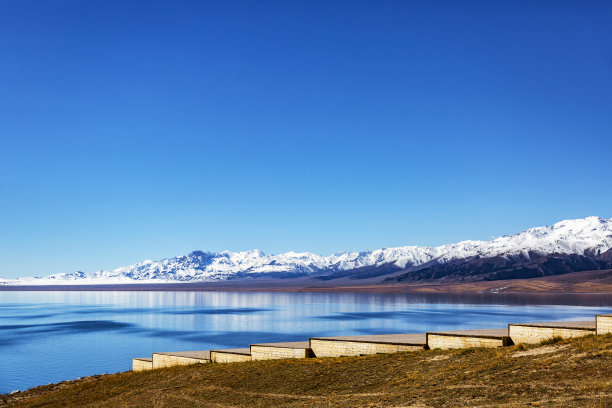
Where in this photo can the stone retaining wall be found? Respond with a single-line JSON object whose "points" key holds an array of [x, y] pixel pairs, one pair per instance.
{"points": [[273, 353], [604, 324], [219, 357], [337, 348], [166, 360], [385, 343], [531, 334], [439, 341], [142, 364]]}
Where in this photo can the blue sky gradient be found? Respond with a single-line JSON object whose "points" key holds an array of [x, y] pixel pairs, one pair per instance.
{"points": [[135, 130]]}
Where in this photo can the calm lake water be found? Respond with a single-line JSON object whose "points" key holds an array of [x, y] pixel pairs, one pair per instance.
{"points": [[53, 336]]}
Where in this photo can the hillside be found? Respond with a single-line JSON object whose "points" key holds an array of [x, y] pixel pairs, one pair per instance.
{"points": [[569, 373]]}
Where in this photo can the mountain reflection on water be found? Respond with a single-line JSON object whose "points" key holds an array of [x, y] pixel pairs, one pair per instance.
{"points": [[53, 336]]}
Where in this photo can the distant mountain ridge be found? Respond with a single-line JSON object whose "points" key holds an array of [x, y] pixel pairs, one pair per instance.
{"points": [[567, 246]]}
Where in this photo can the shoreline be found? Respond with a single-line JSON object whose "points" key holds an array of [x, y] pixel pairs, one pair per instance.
{"points": [[579, 283], [587, 282]]}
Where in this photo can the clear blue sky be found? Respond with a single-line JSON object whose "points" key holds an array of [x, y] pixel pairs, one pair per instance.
{"points": [[142, 130]]}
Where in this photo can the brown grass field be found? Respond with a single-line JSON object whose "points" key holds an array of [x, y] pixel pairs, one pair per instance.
{"points": [[568, 373]]}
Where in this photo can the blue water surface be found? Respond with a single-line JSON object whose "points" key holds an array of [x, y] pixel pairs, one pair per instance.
{"points": [[48, 337]]}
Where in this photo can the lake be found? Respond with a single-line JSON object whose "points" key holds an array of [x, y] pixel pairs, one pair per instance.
{"points": [[48, 337]]}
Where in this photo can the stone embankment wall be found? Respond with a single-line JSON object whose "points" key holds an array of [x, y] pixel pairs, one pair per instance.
{"points": [[166, 360], [604, 324], [142, 364], [274, 353], [534, 334], [219, 357], [439, 341], [391, 343], [336, 348]]}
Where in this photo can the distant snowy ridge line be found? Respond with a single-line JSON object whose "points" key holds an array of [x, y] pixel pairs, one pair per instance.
{"points": [[586, 236]]}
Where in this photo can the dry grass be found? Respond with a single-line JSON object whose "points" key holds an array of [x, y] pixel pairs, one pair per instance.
{"points": [[571, 373]]}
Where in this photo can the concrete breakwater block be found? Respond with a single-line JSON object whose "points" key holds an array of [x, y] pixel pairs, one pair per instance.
{"points": [[176, 358], [468, 338], [272, 351], [604, 323], [537, 332], [142, 364], [361, 345], [230, 355]]}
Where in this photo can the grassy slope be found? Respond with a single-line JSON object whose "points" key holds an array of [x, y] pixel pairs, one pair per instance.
{"points": [[567, 373]]}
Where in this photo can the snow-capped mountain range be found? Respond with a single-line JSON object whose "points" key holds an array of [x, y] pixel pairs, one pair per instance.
{"points": [[588, 237]]}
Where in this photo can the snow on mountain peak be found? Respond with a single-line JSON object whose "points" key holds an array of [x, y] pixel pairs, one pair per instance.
{"points": [[565, 237]]}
